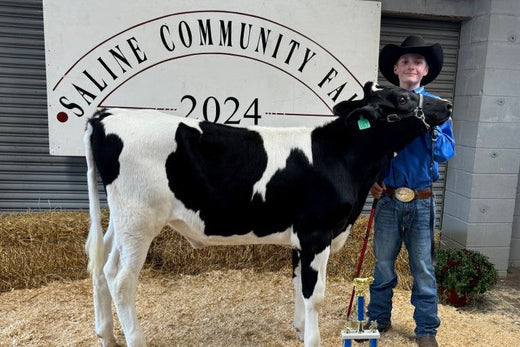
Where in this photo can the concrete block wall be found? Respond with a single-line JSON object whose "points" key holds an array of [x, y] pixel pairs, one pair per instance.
{"points": [[481, 188]]}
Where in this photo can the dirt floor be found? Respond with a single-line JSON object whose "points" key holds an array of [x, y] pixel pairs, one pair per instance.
{"points": [[240, 308]]}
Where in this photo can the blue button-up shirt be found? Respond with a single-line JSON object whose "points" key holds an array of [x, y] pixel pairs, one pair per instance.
{"points": [[411, 167]]}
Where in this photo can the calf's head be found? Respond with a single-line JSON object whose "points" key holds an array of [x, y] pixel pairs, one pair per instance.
{"points": [[392, 116], [397, 103], [394, 104]]}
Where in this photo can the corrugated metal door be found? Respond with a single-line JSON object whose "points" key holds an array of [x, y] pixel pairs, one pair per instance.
{"points": [[29, 177], [394, 30], [32, 179]]}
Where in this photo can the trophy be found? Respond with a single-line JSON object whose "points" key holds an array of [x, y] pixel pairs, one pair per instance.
{"points": [[356, 331]]}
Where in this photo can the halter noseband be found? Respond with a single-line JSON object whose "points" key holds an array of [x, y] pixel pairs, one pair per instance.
{"points": [[417, 112]]}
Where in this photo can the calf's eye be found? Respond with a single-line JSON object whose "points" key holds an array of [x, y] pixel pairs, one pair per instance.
{"points": [[402, 100]]}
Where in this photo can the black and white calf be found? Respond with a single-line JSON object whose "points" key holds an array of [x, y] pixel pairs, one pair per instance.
{"points": [[222, 185]]}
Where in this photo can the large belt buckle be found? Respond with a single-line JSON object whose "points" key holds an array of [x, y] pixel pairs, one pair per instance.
{"points": [[404, 194]]}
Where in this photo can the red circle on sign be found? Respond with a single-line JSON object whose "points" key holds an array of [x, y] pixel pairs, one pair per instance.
{"points": [[62, 117]]}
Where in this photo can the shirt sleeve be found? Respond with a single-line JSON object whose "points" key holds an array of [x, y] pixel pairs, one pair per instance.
{"points": [[445, 144]]}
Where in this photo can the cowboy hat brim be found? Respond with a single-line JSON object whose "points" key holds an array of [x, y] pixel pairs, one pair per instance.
{"points": [[391, 53]]}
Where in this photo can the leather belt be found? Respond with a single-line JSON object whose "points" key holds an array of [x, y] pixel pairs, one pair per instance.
{"points": [[405, 194]]}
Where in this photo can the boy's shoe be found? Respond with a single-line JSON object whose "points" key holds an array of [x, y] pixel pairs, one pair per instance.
{"points": [[380, 328], [427, 341]]}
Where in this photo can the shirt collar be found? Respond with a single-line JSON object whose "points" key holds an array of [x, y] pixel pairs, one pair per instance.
{"points": [[419, 90]]}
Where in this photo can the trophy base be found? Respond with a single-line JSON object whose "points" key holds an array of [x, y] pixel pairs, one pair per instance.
{"points": [[348, 336]]}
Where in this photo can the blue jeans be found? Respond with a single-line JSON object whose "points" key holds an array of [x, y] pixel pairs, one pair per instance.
{"points": [[397, 222]]}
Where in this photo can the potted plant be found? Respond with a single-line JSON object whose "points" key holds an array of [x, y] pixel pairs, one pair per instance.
{"points": [[461, 274]]}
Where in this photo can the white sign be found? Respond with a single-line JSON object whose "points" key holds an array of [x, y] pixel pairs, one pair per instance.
{"points": [[255, 62]]}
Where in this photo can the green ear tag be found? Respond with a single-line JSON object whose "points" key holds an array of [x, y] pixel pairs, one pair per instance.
{"points": [[363, 123]]}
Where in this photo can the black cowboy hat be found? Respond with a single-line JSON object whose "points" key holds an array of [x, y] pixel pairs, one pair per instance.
{"points": [[412, 44]]}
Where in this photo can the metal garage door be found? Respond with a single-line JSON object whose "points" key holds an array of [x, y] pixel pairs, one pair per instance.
{"points": [[32, 179], [29, 177]]}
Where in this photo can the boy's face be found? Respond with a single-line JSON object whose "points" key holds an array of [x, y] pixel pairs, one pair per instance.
{"points": [[411, 68]]}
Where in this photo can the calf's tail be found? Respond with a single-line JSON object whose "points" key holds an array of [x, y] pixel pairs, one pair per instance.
{"points": [[94, 246]]}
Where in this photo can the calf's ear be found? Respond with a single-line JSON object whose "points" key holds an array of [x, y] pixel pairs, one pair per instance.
{"points": [[369, 88], [368, 112], [346, 107]]}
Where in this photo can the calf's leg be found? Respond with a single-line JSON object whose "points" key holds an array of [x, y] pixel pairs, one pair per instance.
{"points": [[104, 324], [313, 274], [131, 244], [299, 308]]}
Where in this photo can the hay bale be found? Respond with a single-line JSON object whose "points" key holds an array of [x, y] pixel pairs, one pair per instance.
{"points": [[345, 262], [170, 252], [40, 247]]}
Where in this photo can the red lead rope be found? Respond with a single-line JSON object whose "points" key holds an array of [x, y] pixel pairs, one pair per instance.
{"points": [[362, 255]]}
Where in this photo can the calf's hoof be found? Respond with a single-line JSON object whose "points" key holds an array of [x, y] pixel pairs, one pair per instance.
{"points": [[299, 334]]}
